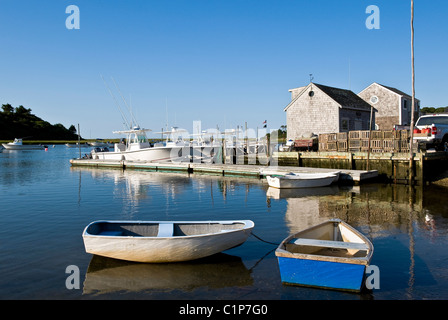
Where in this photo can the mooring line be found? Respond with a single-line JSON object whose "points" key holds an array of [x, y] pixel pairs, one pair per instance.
{"points": [[259, 260], [275, 244]]}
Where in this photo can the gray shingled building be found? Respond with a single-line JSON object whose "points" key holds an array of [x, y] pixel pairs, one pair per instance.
{"points": [[394, 106], [317, 109]]}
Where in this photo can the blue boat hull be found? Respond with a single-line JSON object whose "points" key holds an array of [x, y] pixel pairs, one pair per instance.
{"points": [[322, 274]]}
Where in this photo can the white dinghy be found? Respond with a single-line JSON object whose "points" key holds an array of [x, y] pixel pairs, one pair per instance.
{"points": [[302, 180], [164, 241]]}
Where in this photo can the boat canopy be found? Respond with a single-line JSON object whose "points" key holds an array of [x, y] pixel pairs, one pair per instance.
{"points": [[135, 135]]}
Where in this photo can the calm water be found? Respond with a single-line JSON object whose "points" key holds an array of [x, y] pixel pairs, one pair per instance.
{"points": [[45, 205]]}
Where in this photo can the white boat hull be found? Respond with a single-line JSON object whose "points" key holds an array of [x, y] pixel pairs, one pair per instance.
{"points": [[22, 147], [154, 154], [301, 181], [83, 145], [161, 249], [206, 154]]}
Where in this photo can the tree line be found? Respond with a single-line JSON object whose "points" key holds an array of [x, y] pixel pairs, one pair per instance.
{"points": [[21, 123], [427, 110]]}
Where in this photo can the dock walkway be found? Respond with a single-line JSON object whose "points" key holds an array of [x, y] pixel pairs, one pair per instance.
{"points": [[260, 171]]}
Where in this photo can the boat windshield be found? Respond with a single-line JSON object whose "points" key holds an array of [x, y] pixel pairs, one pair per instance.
{"points": [[139, 138]]}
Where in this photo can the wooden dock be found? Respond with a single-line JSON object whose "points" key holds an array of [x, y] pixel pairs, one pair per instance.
{"points": [[259, 171]]}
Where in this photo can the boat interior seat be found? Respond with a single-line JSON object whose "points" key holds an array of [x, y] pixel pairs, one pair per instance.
{"points": [[329, 244], [165, 230]]}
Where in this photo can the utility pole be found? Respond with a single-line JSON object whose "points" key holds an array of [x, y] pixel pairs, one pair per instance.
{"points": [[411, 129]]}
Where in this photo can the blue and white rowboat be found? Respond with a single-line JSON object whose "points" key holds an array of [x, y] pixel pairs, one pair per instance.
{"points": [[331, 255]]}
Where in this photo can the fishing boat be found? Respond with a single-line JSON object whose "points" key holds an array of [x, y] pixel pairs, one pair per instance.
{"points": [[206, 148], [77, 145], [180, 149], [164, 241], [137, 148], [330, 255], [17, 144], [302, 180]]}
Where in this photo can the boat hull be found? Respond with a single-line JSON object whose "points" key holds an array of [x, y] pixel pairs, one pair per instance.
{"points": [[22, 147], [154, 154], [290, 183], [331, 255], [160, 249], [83, 145], [207, 154], [322, 274]]}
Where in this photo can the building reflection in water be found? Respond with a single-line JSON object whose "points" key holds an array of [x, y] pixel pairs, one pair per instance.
{"points": [[373, 205]]}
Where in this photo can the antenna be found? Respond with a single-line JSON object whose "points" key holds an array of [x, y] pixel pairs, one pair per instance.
{"points": [[126, 123], [349, 75], [130, 111], [166, 113]]}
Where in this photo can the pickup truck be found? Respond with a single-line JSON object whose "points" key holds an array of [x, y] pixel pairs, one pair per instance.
{"points": [[431, 131]]}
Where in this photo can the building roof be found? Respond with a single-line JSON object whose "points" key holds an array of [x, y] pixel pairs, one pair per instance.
{"points": [[394, 90], [345, 98]]}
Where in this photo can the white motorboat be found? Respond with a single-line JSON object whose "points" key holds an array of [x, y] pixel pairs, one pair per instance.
{"points": [[180, 149], [136, 147], [17, 144], [77, 145], [164, 241], [99, 143], [206, 148], [301, 180]]}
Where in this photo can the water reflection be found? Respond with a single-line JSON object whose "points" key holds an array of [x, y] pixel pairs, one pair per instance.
{"points": [[408, 227], [136, 186], [276, 193], [35, 163], [106, 275], [398, 219], [375, 205]]}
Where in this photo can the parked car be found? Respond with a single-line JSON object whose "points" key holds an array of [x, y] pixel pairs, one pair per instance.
{"points": [[431, 131]]}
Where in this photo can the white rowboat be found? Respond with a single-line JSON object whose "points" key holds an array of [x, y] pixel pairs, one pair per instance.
{"points": [[164, 241], [302, 180]]}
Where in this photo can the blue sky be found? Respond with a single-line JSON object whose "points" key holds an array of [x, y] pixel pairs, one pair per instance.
{"points": [[224, 63]]}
